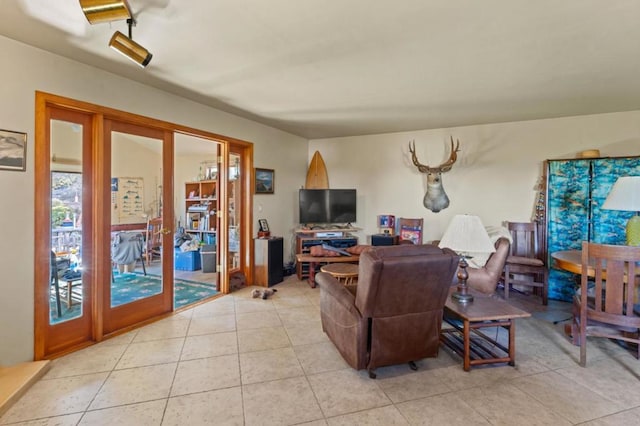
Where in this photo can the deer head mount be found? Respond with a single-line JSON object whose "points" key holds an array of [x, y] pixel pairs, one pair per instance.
{"points": [[435, 199]]}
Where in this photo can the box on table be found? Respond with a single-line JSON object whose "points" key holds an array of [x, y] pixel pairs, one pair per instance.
{"points": [[187, 260]]}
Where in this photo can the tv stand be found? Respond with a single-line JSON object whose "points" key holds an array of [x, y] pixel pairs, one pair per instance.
{"points": [[307, 238]]}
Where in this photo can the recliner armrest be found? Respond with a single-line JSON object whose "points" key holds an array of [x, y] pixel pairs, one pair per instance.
{"points": [[338, 292]]}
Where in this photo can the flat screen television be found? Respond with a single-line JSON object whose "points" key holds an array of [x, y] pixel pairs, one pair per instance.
{"points": [[321, 206]]}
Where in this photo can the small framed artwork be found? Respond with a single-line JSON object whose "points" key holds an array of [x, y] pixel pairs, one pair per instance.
{"points": [[13, 150], [264, 226], [264, 181]]}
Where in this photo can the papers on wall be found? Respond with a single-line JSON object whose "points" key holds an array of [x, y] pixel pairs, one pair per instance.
{"points": [[130, 197]]}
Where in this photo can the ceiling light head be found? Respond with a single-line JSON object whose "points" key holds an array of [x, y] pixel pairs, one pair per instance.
{"points": [[98, 11], [130, 49]]}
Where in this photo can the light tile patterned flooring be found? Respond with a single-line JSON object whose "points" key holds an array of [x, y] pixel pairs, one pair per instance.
{"points": [[239, 360]]}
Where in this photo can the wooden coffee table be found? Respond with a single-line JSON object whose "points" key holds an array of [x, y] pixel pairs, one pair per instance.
{"points": [[463, 334], [315, 260], [343, 272]]}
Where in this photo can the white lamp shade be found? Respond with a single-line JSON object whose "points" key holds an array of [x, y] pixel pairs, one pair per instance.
{"points": [[466, 235], [624, 195]]}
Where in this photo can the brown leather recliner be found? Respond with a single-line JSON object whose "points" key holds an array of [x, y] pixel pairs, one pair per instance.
{"points": [[485, 279], [396, 314]]}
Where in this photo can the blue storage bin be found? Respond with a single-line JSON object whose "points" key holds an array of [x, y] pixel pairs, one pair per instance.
{"points": [[209, 238], [187, 261]]}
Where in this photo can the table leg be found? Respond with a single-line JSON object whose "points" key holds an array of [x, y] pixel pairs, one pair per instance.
{"points": [[312, 275], [466, 335], [512, 342], [69, 285]]}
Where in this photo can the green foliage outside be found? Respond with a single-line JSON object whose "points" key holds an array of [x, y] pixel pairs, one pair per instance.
{"points": [[59, 211]]}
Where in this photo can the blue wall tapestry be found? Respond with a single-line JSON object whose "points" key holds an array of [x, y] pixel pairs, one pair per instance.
{"points": [[576, 190]]}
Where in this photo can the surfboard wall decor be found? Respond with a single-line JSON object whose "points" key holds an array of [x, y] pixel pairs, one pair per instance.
{"points": [[317, 177]]}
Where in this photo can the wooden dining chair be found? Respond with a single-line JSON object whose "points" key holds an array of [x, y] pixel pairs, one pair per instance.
{"points": [[603, 306], [153, 243], [526, 266]]}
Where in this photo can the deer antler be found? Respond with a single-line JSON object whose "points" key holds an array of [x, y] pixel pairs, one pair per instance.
{"points": [[421, 167], [444, 167], [447, 165]]}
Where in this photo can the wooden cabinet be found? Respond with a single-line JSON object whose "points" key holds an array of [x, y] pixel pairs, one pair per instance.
{"points": [[308, 239], [201, 207]]}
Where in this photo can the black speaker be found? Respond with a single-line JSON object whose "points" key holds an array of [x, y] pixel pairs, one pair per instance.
{"points": [[276, 269], [384, 240]]}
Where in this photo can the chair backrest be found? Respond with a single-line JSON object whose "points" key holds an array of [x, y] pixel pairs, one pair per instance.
{"points": [[404, 279], [58, 266], [614, 270], [154, 234], [525, 240], [486, 279], [53, 267], [126, 247], [410, 230]]}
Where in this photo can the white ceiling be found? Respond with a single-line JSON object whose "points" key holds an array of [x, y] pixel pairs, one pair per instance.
{"points": [[324, 68]]}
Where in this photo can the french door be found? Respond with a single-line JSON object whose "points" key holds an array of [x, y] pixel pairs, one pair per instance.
{"points": [[133, 183], [101, 173], [78, 297]]}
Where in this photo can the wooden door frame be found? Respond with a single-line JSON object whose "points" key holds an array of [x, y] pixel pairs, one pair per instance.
{"points": [[101, 274]]}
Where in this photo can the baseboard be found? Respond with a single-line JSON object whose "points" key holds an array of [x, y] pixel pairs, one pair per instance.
{"points": [[15, 380]]}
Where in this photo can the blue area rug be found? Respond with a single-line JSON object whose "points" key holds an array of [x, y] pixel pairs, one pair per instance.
{"points": [[131, 286]]}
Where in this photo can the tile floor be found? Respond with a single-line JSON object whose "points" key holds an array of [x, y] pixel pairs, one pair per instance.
{"points": [[244, 361]]}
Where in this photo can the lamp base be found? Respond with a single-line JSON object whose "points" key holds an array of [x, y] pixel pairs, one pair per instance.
{"points": [[462, 298], [462, 295], [633, 231]]}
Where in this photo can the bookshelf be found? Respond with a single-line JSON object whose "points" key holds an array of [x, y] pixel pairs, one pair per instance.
{"points": [[201, 205]]}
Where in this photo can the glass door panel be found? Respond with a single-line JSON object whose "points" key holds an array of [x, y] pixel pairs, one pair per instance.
{"points": [[136, 219], [234, 207], [196, 183], [66, 301]]}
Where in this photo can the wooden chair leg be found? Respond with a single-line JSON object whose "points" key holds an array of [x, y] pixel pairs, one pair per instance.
{"points": [[583, 351], [57, 290], [506, 282], [144, 268]]}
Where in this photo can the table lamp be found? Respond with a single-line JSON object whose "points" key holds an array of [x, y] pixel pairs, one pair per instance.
{"points": [[466, 236], [625, 196]]}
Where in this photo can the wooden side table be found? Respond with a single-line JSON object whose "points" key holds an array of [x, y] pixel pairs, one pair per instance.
{"points": [[343, 272], [465, 337]]}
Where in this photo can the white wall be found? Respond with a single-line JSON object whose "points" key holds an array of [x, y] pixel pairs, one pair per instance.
{"points": [[495, 177], [132, 160], [32, 69]]}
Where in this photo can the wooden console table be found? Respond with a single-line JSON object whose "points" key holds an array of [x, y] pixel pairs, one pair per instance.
{"points": [[482, 312], [315, 260]]}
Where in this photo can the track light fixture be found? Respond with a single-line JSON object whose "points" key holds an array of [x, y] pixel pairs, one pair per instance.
{"points": [[98, 11], [129, 48]]}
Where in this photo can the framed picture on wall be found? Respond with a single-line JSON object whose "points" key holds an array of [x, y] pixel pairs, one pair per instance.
{"points": [[13, 150], [264, 181]]}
